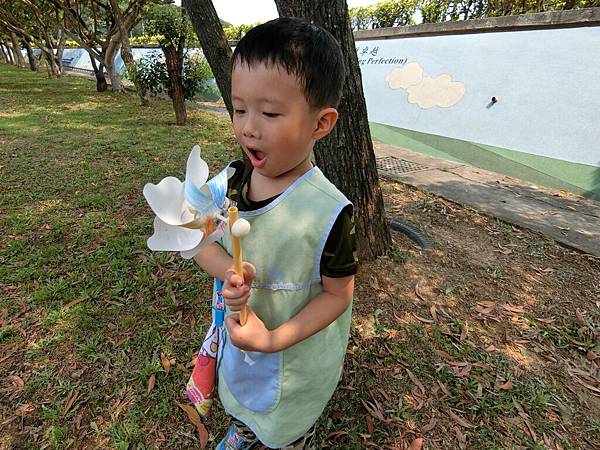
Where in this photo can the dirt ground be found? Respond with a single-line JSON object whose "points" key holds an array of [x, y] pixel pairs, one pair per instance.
{"points": [[505, 300]]}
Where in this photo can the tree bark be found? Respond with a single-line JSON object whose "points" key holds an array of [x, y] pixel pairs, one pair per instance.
{"points": [[214, 44], [101, 84], [7, 52], [33, 61], [20, 61], [60, 49], [3, 54], [176, 92], [113, 74], [346, 156], [127, 55]]}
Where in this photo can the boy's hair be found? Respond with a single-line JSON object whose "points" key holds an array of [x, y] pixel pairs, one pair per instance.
{"points": [[302, 49]]}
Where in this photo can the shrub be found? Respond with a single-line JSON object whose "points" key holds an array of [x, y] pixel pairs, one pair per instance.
{"points": [[152, 75]]}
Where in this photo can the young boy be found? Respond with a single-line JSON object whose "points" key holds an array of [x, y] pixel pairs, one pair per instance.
{"points": [[280, 369]]}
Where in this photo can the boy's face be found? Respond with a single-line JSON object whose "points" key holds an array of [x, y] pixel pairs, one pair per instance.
{"points": [[272, 119]]}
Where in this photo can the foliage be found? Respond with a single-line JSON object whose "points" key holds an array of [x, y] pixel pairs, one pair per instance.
{"points": [[390, 13], [169, 24], [444, 10], [234, 33], [145, 40], [396, 13], [152, 74]]}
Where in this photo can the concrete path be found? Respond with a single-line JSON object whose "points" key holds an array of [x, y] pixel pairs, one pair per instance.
{"points": [[567, 218]]}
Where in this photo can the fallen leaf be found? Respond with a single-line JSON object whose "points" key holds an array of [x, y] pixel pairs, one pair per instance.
{"points": [[443, 388], [151, 383], [433, 312], [503, 250], [73, 395], [430, 426], [370, 428], [17, 381], [336, 416], [479, 392], [195, 419], [334, 434], [422, 319], [540, 319], [121, 341], [24, 409], [462, 439], [417, 444], [418, 292], [464, 331], [459, 420], [416, 381], [166, 363], [506, 386], [514, 309], [372, 409], [73, 302]]}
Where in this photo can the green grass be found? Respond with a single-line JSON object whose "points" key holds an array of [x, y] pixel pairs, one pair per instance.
{"points": [[74, 225]]}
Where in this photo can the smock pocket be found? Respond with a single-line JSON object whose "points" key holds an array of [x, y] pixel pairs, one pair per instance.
{"points": [[252, 377]]}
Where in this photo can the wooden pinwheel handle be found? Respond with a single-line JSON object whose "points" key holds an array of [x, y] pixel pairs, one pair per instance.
{"points": [[236, 244]]}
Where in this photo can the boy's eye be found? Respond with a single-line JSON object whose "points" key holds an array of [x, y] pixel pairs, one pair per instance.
{"points": [[239, 111], [269, 114]]}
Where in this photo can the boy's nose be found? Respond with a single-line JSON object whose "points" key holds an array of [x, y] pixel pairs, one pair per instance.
{"points": [[249, 129]]}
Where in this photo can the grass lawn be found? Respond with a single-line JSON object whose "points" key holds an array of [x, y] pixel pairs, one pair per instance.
{"points": [[490, 341]]}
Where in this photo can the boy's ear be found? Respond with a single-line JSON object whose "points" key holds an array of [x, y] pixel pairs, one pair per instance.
{"points": [[326, 120]]}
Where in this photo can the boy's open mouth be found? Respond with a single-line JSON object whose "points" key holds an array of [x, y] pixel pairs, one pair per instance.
{"points": [[257, 158]]}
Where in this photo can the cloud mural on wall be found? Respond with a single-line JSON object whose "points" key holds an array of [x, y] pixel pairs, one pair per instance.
{"points": [[426, 92]]}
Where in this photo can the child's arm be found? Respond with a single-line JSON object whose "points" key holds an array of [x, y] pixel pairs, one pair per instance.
{"points": [[315, 316]]}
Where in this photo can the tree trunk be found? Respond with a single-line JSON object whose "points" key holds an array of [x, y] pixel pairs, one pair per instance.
{"points": [[20, 61], [214, 44], [51, 66], [176, 91], [127, 55], [346, 156], [115, 78], [11, 58], [4, 51], [33, 61], [60, 50], [101, 84], [55, 64]]}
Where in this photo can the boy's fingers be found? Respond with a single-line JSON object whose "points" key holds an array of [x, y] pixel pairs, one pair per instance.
{"points": [[232, 320], [249, 271], [233, 292], [236, 304], [235, 280]]}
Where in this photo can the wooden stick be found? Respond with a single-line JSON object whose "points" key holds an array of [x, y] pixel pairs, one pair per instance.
{"points": [[236, 244]]}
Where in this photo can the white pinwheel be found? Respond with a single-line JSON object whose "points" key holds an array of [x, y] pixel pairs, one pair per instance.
{"points": [[189, 213]]}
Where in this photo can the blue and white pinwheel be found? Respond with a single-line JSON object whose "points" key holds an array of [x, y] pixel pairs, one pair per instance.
{"points": [[189, 214]]}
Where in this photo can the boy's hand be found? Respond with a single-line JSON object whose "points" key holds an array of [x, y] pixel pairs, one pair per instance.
{"points": [[252, 337], [235, 290]]}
